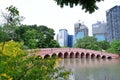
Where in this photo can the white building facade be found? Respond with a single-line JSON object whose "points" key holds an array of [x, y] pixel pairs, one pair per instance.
{"points": [[62, 37]]}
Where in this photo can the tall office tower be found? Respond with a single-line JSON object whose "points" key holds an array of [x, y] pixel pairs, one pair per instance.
{"points": [[80, 31], [113, 23], [70, 40], [62, 37], [99, 31]]}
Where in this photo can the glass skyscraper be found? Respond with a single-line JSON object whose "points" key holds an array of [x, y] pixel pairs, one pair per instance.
{"points": [[62, 37], [70, 40], [99, 31], [113, 23], [80, 31]]}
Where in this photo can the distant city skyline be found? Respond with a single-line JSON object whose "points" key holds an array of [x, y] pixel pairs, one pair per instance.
{"points": [[46, 12]]}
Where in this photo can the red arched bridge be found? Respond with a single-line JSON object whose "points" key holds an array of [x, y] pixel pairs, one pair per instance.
{"points": [[74, 53]]}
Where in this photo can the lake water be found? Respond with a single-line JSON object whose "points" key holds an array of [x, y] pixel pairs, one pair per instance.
{"points": [[92, 69]]}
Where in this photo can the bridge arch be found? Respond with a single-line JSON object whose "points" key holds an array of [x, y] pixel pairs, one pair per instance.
{"points": [[87, 55], [66, 55], [98, 56], [109, 57], [54, 55], [71, 55], [103, 57], [77, 55], [60, 55], [82, 55], [92, 56], [46, 56]]}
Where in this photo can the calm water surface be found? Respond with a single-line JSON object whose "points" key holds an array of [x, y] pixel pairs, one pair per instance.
{"points": [[93, 69]]}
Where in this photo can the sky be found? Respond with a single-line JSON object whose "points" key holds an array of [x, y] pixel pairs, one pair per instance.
{"points": [[48, 13]]}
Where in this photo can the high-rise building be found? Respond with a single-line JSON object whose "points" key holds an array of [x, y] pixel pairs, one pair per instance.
{"points": [[62, 37], [80, 31], [99, 31], [113, 23], [70, 40]]}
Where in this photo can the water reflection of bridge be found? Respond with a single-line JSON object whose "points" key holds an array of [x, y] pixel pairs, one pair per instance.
{"points": [[75, 53], [70, 63]]}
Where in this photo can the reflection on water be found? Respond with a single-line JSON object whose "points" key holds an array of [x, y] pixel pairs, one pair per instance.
{"points": [[93, 69]]}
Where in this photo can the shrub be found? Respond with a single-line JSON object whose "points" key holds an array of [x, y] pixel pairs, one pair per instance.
{"points": [[15, 64]]}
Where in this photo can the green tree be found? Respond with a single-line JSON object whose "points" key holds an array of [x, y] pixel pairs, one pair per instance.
{"points": [[54, 44], [87, 43], [114, 47], [20, 33], [30, 38], [104, 45], [37, 36], [4, 36], [88, 5], [93, 46], [12, 19], [15, 64]]}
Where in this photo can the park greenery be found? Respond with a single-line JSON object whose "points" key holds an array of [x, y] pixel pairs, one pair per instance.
{"points": [[114, 47], [15, 62], [33, 36], [92, 43], [87, 43]]}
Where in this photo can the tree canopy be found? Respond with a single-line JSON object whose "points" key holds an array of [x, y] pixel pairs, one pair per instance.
{"points": [[114, 47], [15, 64], [35, 36], [92, 43], [104, 45], [18, 64], [87, 43], [89, 5]]}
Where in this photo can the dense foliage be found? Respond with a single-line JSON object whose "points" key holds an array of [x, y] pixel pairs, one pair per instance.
{"points": [[35, 36], [15, 64], [88, 5], [11, 20], [87, 43], [104, 45], [93, 44], [4, 36], [114, 47]]}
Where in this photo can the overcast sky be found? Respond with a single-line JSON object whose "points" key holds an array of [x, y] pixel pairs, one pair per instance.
{"points": [[46, 12]]}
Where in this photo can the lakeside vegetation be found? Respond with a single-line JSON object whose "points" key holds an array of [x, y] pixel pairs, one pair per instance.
{"points": [[92, 43], [15, 63]]}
